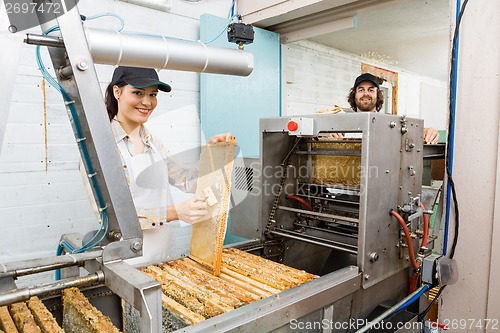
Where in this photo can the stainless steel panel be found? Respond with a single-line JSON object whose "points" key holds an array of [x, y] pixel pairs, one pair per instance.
{"points": [[392, 185], [245, 198], [276, 311]]}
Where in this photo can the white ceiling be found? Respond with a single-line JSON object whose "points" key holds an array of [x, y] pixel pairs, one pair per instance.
{"points": [[413, 35], [409, 34]]}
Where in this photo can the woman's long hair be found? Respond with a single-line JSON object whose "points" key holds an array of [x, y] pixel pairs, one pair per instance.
{"points": [[110, 100], [378, 104]]}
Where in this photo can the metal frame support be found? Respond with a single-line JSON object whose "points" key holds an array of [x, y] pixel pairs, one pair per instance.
{"points": [[84, 89], [137, 289]]}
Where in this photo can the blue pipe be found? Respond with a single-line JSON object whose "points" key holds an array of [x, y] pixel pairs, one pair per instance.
{"points": [[395, 308], [58, 253], [413, 299], [452, 133]]}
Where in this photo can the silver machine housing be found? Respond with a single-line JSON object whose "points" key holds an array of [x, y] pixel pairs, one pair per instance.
{"points": [[349, 227]]}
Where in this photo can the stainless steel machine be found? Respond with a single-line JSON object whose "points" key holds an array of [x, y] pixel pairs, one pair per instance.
{"points": [[338, 195], [324, 205]]}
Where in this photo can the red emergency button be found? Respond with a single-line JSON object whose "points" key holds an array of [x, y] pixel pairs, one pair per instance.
{"points": [[292, 126]]}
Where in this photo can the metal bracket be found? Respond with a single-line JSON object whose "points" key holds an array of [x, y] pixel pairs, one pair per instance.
{"points": [[137, 289], [124, 249], [409, 145], [274, 250]]}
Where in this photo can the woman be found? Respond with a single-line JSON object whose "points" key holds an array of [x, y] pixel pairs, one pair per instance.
{"points": [[131, 98]]}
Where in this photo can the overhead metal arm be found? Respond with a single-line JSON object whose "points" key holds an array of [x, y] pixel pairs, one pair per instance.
{"points": [[120, 48], [111, 47]]}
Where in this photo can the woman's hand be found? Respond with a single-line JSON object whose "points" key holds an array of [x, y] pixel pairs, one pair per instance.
{"points": [[191, 210], [431, 135], [224, 137]]}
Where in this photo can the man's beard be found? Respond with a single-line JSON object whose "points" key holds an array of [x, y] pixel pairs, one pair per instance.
{"points": [[366, 107]]}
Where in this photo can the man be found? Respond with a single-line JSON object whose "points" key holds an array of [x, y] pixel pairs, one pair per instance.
{"points": [[366, 96]]}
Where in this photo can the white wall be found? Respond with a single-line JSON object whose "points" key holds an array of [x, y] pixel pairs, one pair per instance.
{"points": [[433, 103], [476, 295], [316, 77], [42, 199]]}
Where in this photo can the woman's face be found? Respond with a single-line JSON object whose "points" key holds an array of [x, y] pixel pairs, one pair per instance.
{"points": [[135, 105]]}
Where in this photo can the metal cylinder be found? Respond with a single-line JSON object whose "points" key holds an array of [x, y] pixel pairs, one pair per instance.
{"points": [[25, 294], [33, 266], [317, 241], [141, 50], [44, 40]]}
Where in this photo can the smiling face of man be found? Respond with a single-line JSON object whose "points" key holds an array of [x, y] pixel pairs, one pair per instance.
{"points": [[366, 97]]}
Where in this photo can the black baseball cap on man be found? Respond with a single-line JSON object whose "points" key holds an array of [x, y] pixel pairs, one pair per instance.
{"points": [[366, 77], [139, 77]]}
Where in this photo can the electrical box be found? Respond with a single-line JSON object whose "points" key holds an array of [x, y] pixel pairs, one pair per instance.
{"points": [[240, 33]]}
